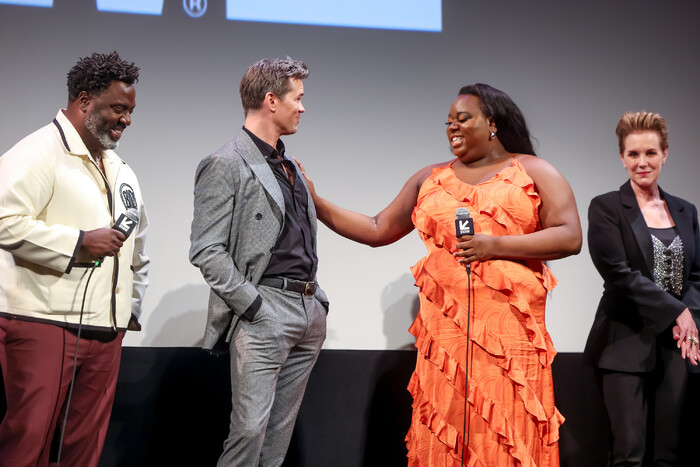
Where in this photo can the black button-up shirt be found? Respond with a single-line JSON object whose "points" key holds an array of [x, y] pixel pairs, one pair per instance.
{"points": [[294, 256]]}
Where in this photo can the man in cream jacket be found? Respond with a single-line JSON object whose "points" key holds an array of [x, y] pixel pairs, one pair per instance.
{"points": [[68, 282]]}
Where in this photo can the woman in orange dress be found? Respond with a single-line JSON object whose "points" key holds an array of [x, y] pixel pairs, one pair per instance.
{"points": [[481, 334]]}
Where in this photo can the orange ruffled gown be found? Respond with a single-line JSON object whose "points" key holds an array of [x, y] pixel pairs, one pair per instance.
{"points": [[512, 419]]}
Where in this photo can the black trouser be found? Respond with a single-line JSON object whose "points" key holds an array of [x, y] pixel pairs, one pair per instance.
{"points": [[645, 409]]}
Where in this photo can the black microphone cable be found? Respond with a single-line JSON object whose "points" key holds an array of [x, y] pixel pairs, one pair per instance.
{"points": [[464, 225], [126, 223], [75, 364], [465, 433]]}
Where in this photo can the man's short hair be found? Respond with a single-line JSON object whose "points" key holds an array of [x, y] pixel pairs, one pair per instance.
{"points": [[95, 73], [269, 75]]}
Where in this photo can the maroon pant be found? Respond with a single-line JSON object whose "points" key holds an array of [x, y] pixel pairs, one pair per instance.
{"points": [[37, 364]]}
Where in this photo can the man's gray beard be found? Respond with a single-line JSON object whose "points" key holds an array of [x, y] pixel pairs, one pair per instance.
{"points": [[92, 123]]}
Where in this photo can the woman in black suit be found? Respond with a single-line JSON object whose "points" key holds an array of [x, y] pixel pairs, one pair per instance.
{"points": [[645, 244]]}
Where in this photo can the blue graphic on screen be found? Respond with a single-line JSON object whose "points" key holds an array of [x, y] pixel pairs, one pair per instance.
{"points": [[415, 15], [412, 15], [42, 3], [135, 7]]}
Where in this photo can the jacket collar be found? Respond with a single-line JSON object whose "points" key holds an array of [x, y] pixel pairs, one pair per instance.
{"points": [[250, 152], [255, 159], [683, 219], [634, 217], [73, 143]]}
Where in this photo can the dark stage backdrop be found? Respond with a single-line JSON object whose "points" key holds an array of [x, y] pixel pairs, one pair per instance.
{"points": [[172, 407]]}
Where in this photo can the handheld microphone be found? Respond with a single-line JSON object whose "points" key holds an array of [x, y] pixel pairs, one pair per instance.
{"points": [[126, 223], [464, 225]]}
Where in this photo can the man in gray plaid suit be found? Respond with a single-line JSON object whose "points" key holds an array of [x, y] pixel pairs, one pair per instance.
{"points": [[254, 240]]}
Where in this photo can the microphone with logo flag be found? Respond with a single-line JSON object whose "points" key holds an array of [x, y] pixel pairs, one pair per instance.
{"points": [[464, 225], [126, 223]]}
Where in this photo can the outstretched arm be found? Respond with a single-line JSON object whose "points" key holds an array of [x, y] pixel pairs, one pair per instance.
{"points": [[561, 228], [388, 226]]}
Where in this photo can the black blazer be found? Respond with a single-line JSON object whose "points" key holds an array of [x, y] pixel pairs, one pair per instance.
{"points": [[634, 310]]}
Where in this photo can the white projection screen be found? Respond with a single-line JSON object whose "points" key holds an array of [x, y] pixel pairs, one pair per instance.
{"points": [[376, 103]]}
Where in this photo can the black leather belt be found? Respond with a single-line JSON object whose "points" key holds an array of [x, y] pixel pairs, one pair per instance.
{"points": [[307, 288]]}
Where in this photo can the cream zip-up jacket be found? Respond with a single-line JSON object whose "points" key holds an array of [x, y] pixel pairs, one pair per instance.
{"points": [[51, 191]]}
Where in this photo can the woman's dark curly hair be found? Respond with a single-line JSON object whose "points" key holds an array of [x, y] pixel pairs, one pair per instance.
{"points": [[95, 73], [497, 105]]}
